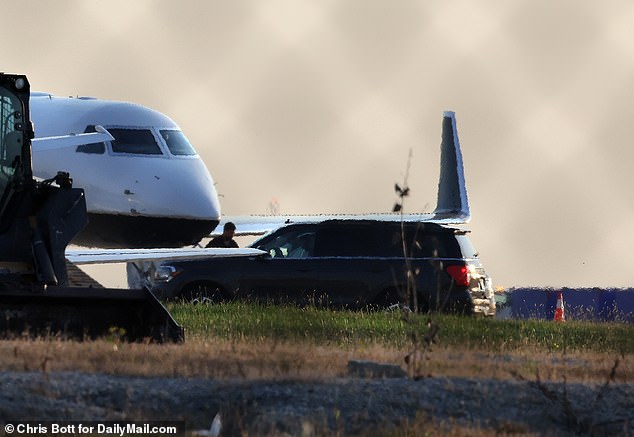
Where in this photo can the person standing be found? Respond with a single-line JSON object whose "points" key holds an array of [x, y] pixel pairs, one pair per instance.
{"points": [[225, 239]]}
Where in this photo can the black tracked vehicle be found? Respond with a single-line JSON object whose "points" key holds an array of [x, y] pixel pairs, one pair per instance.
{"points": [[38, 219]]}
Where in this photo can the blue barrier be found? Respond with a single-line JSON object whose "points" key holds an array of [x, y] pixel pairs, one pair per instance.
{"points": [[592, 304]]}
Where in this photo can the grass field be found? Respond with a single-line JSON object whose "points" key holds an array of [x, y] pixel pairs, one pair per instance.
{"points": [[240, 340], [242, 321]]}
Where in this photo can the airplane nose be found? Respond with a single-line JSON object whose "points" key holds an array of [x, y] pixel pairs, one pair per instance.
{"points": [[159, 203], [175, 188]]}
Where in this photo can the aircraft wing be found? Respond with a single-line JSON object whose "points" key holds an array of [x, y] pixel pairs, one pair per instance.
{"points": [[57, 142], [102, 256], [255, 225]]}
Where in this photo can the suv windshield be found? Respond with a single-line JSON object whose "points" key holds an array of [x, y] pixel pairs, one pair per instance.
{"points": [[296, 243]]}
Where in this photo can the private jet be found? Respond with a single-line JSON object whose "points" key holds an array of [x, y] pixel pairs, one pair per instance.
{"points": [[145, 188], [452, 208]]}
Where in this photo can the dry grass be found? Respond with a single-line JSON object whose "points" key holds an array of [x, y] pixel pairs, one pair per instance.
{"points": [[267, 359], [276, 360]]}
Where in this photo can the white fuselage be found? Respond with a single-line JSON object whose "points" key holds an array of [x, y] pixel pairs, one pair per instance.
{"points": [[138, 176]]}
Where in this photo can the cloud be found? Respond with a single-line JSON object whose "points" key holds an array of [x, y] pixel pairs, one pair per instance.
{"points": [[320, 103]]}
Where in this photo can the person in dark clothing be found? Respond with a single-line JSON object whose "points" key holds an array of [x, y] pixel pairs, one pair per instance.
{"points": [[226, 238]]}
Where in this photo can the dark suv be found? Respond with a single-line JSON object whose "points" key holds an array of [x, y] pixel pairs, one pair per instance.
{"points": [[344, 263]]}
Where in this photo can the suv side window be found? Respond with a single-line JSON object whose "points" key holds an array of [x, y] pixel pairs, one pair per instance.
{"points": [[347, 240], [295, 243], [438, 245], [375, 239], [468, 251], [431, 241]]}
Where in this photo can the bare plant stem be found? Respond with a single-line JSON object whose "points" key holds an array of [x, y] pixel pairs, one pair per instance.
{"points": [[411, 282]]}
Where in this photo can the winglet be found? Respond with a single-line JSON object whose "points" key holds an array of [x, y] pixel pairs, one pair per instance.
{"points": [[452, 202]]}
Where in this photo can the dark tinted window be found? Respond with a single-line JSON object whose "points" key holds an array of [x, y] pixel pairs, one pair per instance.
{"points": [[385, 239], [177, 142], [429, 240], [438, 245], [366, 239], [134, 141], [96, 148], [348, 240]]}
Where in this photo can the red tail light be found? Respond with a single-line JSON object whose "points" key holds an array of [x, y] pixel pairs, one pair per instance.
{"points": [[460, 274]]}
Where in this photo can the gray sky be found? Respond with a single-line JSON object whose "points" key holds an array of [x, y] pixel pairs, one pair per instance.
{"points": [[317, 103]]}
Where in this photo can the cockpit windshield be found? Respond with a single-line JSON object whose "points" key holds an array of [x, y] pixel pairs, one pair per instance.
{"points": [[177, 142], [11, 117], [134, 141], [137, 141]]}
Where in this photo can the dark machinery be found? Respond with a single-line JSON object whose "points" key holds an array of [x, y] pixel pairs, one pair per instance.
{"points": [[37, 222]]}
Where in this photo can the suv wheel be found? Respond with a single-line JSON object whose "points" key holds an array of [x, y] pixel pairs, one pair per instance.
{"points": [[202, 293]]}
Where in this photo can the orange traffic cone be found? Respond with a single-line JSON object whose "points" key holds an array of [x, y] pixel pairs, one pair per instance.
{"points": [[560, 316]]}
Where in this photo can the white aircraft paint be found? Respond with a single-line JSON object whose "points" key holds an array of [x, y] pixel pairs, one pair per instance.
{"points": [[128, 186]]}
